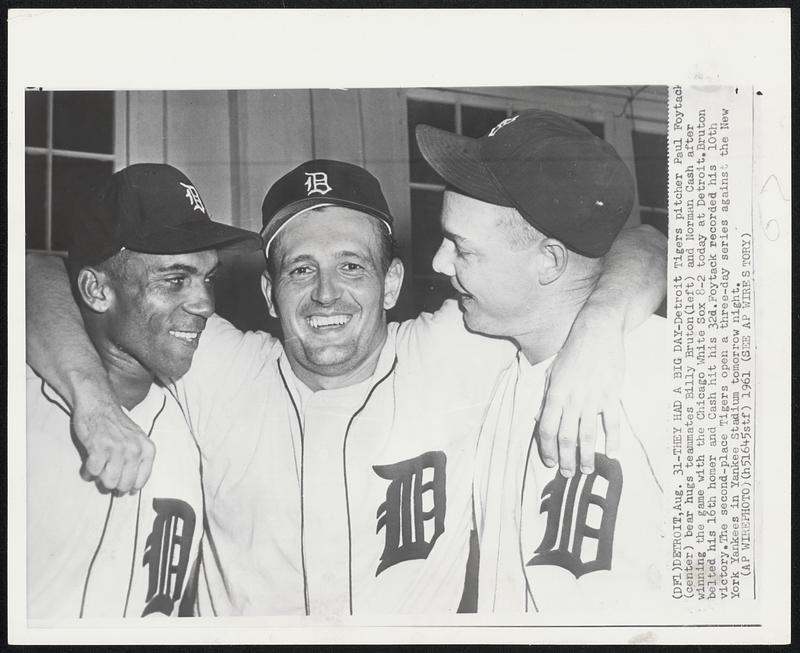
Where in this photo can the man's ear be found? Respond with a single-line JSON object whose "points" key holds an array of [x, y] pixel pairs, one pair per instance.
{"points": [[553, 257], [392, 283], [266, 288], [94, 289]]}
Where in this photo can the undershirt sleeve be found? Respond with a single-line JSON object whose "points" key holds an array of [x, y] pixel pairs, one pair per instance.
{"points": [[226, 360], [469, 364]]}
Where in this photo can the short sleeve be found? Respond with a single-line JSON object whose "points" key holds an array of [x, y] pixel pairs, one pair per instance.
{"points": [[469, 364]]}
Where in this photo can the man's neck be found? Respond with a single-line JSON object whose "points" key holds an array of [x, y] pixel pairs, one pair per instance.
{"points": [[131, 381], [550, 325], [131, 391]]}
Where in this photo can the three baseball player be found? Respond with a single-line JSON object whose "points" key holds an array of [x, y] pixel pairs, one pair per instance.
{"points": [[339, 467]]}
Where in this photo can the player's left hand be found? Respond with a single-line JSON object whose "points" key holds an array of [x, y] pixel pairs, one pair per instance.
{"points": [[584, 380]]}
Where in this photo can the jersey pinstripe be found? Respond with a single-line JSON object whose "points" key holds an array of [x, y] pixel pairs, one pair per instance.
{"points": [[94, 554], [572, 549], [402, 464]]}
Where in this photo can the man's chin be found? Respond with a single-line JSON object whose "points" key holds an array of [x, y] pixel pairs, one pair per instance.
{"points": [[331, 357], [469, 314], [172, 372], [478, 323]]}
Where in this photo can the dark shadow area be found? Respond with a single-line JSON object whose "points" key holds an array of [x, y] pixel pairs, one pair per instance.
{"points": [[238, 292]]}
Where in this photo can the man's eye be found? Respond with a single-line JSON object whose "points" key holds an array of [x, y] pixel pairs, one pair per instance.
{"points": [[176, 281], [352, 267], [300, 271]]}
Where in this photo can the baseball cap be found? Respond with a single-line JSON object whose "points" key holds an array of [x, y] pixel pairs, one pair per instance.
{"points": [[565, 181], [321, 182], [151, 208]]}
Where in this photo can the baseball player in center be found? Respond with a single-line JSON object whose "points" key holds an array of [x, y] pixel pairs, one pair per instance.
{"points": [[338, 466]]}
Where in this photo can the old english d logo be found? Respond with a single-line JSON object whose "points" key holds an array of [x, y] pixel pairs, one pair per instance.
{"points": [[317, 182], [567, 502], [501, 124], [194, 197], [167, 554], [414, 482]]}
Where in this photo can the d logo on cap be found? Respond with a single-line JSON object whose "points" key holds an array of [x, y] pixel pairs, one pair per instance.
{"points": [[194, 197], [317, 182], [501, 124]]}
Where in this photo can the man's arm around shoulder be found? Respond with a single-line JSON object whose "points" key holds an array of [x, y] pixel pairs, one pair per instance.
{"points": [[118, 453]]}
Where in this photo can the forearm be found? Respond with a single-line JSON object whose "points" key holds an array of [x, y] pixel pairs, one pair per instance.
{"points": [[634, 279], [57, 346], [586, 376], [117, 453]]}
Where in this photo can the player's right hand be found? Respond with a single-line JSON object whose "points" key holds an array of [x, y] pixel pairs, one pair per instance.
{"points": [[584, 380], [119, 456]]}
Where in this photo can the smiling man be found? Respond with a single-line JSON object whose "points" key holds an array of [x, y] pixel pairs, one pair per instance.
{"points": [[330, 337], [530, 210], [141, 260], [338, 466], [361, 432]]}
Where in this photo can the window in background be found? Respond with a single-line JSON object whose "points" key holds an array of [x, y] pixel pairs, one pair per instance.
{"points": [[650, 153], [69, 150], [431, 289]]}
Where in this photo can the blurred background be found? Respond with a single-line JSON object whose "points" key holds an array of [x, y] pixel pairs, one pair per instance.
{"points": [[234, 144]]}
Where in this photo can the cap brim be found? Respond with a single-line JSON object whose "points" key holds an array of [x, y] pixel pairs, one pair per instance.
{"points": [[195, 237], [290, 210], [457, 160]]}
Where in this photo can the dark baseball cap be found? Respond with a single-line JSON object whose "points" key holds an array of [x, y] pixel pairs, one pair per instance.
{"points": [[565, 181], [322, 182], [151, 208]]}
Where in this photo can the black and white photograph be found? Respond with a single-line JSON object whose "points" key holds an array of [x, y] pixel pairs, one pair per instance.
{"points": [[388, 357]]}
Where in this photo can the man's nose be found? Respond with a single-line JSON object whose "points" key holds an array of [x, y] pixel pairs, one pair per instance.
{"points": [[201, 302], [443, 259], [327, 288]]}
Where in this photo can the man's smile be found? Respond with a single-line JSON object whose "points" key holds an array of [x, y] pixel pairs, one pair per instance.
{"points": [[326, 322], [462, 294], [188, 337]]}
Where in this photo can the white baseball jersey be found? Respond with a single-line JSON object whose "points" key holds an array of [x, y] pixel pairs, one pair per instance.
{"points": [[357, 500], [94, 554], [576, 547]]}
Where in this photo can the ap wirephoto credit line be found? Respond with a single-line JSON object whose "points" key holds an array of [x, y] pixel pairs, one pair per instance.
{"points": [[711, 276]]}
